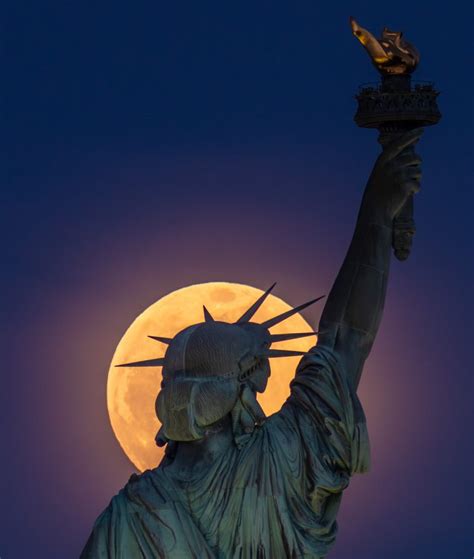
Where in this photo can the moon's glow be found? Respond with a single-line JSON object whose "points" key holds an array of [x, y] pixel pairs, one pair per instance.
{"points": [[131, 392]]}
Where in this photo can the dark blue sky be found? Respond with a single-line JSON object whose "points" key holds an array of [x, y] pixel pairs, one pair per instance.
{"points": [[152, 145]]}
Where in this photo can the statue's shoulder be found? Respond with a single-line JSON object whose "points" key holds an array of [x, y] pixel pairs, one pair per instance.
{"points": [[145, 506], [322, 359], [149, 486]]}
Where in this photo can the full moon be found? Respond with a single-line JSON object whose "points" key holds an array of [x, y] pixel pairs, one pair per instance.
{"points": [[131, 392]]}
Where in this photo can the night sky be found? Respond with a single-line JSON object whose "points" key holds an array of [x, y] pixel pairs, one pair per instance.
{"points": [[153, 145]]}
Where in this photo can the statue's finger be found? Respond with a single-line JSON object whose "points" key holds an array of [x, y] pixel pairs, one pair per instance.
{"points": [[408, 159], [398, 145], [413, 175], [413, 187]]}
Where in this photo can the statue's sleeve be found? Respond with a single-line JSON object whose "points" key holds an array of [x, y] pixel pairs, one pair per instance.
{"points": [[325, 412]]}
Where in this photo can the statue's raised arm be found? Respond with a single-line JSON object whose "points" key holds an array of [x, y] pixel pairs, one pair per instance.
{"points": [[353, 310]]}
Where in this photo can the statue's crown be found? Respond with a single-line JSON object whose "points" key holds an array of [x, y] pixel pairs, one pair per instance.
{"points": [[223, 350]]}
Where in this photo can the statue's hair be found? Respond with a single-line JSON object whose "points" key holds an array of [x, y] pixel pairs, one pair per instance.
{"points": [[187, 406]]}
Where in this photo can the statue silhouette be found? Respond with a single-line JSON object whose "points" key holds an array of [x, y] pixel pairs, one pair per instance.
{"points": [[234, 483]]}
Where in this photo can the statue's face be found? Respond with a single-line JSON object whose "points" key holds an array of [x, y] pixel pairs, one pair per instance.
{"points": [[259, 379]]}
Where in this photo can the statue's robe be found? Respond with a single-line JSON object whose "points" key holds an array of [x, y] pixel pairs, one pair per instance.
{"points": [[275, 497]]}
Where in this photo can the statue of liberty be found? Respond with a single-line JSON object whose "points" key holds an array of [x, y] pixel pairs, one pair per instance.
{"points": [[234, 483]]}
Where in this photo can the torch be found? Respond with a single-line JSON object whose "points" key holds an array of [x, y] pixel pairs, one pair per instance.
{"points": [[394, 106]]}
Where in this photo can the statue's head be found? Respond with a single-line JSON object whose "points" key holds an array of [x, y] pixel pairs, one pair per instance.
{"points": [[213, 369]]}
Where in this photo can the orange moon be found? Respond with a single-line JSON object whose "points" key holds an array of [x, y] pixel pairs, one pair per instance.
{"points": [[131, 392]]}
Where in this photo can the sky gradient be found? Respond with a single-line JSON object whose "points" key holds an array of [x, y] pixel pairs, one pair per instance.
{"points": [[148, 147]]}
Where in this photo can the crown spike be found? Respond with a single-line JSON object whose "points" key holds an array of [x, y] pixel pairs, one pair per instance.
{"points": [[254, 308], [148, 363], [166, 341], [281, 317], [207, 315], [291, 336], [268, 353]]}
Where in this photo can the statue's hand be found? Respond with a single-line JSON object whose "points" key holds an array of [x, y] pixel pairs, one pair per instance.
{"points": [[396, 176]]}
